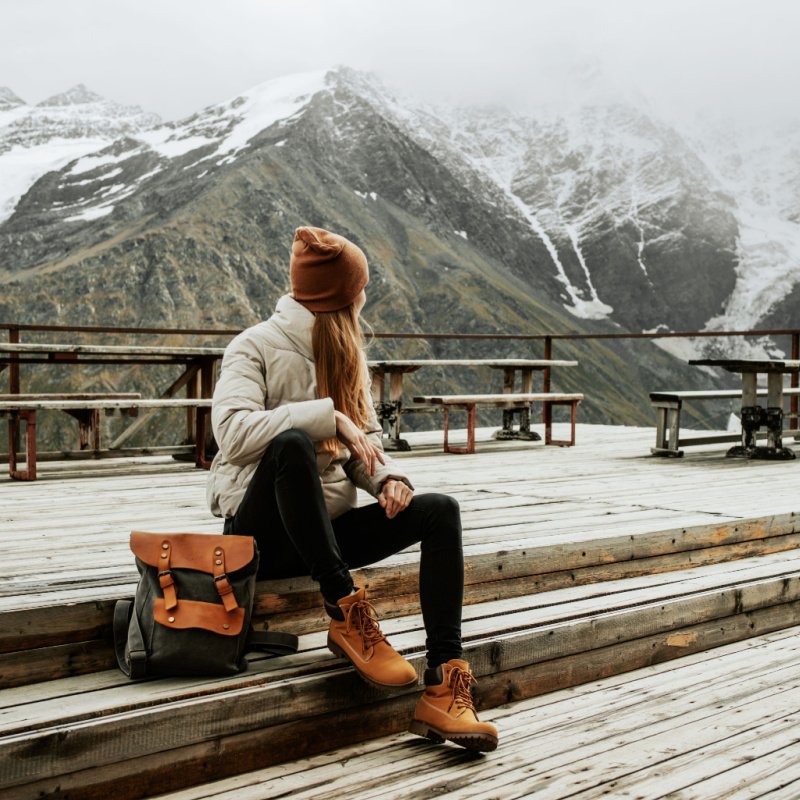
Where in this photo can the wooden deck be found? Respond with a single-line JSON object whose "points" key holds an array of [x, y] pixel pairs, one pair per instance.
{"points": [[581, 563], [719, 725], [68, 531]]}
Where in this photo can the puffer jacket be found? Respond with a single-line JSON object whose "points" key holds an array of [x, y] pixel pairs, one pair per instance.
{"points": [[267, 385]]}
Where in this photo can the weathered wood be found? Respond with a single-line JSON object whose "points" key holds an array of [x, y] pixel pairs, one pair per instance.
{"points": [[532, 568], [108, 350], [497, 400], [749, 364], [552, 523], [401, 761], [712, 394], [121, 404], [92, 740], [187, 377], [71, 396], [497, 363], [264, 746]]}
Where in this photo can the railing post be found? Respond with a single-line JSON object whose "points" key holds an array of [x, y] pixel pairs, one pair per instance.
{"points": [[14, 438], [13, 368], [794, 381], [547, 408], [548, 354]]}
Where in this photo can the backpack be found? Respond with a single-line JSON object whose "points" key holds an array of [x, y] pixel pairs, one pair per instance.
{"points": [[191, 613]]}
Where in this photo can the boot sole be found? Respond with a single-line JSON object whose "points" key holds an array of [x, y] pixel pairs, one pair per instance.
{"points": [[480, 742], [337, 651]]}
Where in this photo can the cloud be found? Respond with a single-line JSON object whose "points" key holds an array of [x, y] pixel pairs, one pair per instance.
{"points": [[735, 56]]}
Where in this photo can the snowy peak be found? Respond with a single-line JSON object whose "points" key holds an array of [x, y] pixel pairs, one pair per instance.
{"points": [[37, 139], [77, 95], [8, 99]]}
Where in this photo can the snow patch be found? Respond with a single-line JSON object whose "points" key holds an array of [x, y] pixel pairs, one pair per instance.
{"points": [[169, 144], [148, 175], [95, 161], [112, 174], [577, 306], [462, 234], [596, 303], [768, 266], [21, 167], [90, 214]]}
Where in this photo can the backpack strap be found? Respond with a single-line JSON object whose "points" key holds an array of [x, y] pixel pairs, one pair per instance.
{"points": [[127, 633], [279, 644]]}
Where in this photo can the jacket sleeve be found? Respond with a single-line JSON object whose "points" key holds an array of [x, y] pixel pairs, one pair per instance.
{"points": [[356, 470], [242, 426]]}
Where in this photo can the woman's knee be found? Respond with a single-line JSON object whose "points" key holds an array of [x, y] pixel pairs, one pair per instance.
{"points": [[441, 504], [443, 513]]}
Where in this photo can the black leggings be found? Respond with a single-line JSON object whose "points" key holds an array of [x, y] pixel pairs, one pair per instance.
{"points": [[284, 509]]}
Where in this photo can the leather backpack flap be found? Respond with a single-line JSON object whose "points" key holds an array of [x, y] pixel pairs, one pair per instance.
{"points": [[192, 550], [205, 555]]}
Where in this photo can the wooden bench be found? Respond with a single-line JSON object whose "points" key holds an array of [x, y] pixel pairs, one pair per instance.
{"points": [[668, 406], [86, 409], [469, 402]]}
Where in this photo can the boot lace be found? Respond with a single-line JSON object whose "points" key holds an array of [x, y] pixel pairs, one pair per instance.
{"points": [[362, 616], [461, 683]]}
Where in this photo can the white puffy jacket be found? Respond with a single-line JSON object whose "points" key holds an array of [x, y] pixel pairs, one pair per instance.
{"points": [[267, 385]]}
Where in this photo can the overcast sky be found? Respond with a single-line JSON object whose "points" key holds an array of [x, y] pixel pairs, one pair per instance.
{"points": [[176, 56]]}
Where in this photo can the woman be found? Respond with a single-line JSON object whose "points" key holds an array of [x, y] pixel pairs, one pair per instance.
{"points": [[297, 434]]}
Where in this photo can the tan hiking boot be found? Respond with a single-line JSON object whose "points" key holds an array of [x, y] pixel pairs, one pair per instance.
{"points": [[446, 710], [359, 639]]}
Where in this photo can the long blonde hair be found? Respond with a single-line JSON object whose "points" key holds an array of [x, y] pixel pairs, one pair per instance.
{"points": [[338, 346]]}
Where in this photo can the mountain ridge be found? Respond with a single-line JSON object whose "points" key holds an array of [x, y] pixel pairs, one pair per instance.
{"points": [[472, 222]]}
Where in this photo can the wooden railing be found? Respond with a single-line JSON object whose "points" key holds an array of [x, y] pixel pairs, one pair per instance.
{"points": [[15, 331]]}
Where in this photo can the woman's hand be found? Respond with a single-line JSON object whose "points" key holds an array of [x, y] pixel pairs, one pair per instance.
{"points": [[394, 497], [356, 441]]}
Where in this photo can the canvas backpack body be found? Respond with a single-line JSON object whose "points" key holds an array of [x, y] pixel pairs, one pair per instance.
{"points": [[192, 611]]}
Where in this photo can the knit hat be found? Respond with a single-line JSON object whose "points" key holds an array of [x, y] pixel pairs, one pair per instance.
{"points": [[327, 271]]}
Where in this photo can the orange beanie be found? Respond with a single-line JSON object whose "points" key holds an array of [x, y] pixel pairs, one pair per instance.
{"points": [[327, 271]]}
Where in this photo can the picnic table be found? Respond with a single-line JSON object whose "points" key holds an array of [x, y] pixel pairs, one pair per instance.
{"points": [[755, 415], [196, 378], [389, 400]]}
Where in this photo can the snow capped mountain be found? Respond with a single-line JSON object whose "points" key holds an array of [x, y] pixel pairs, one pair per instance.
{"points": [[8, 99], [596, 203], [37, 139], [632, 221], [94, 184], [587, 217]]}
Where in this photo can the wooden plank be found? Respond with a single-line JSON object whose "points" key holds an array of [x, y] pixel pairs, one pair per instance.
{"points": [[132, 403], [263, 746], [109, 350], [499, 363], [496, 399], [74, 652], [511, 651], [72, 396]]}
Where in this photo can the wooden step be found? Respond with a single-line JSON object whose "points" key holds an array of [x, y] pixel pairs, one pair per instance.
{"points": [[99, 735], [55, 633], [715, 725]]}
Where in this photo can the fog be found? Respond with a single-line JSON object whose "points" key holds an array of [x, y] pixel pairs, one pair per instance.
{"points": [[731, 57]]}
